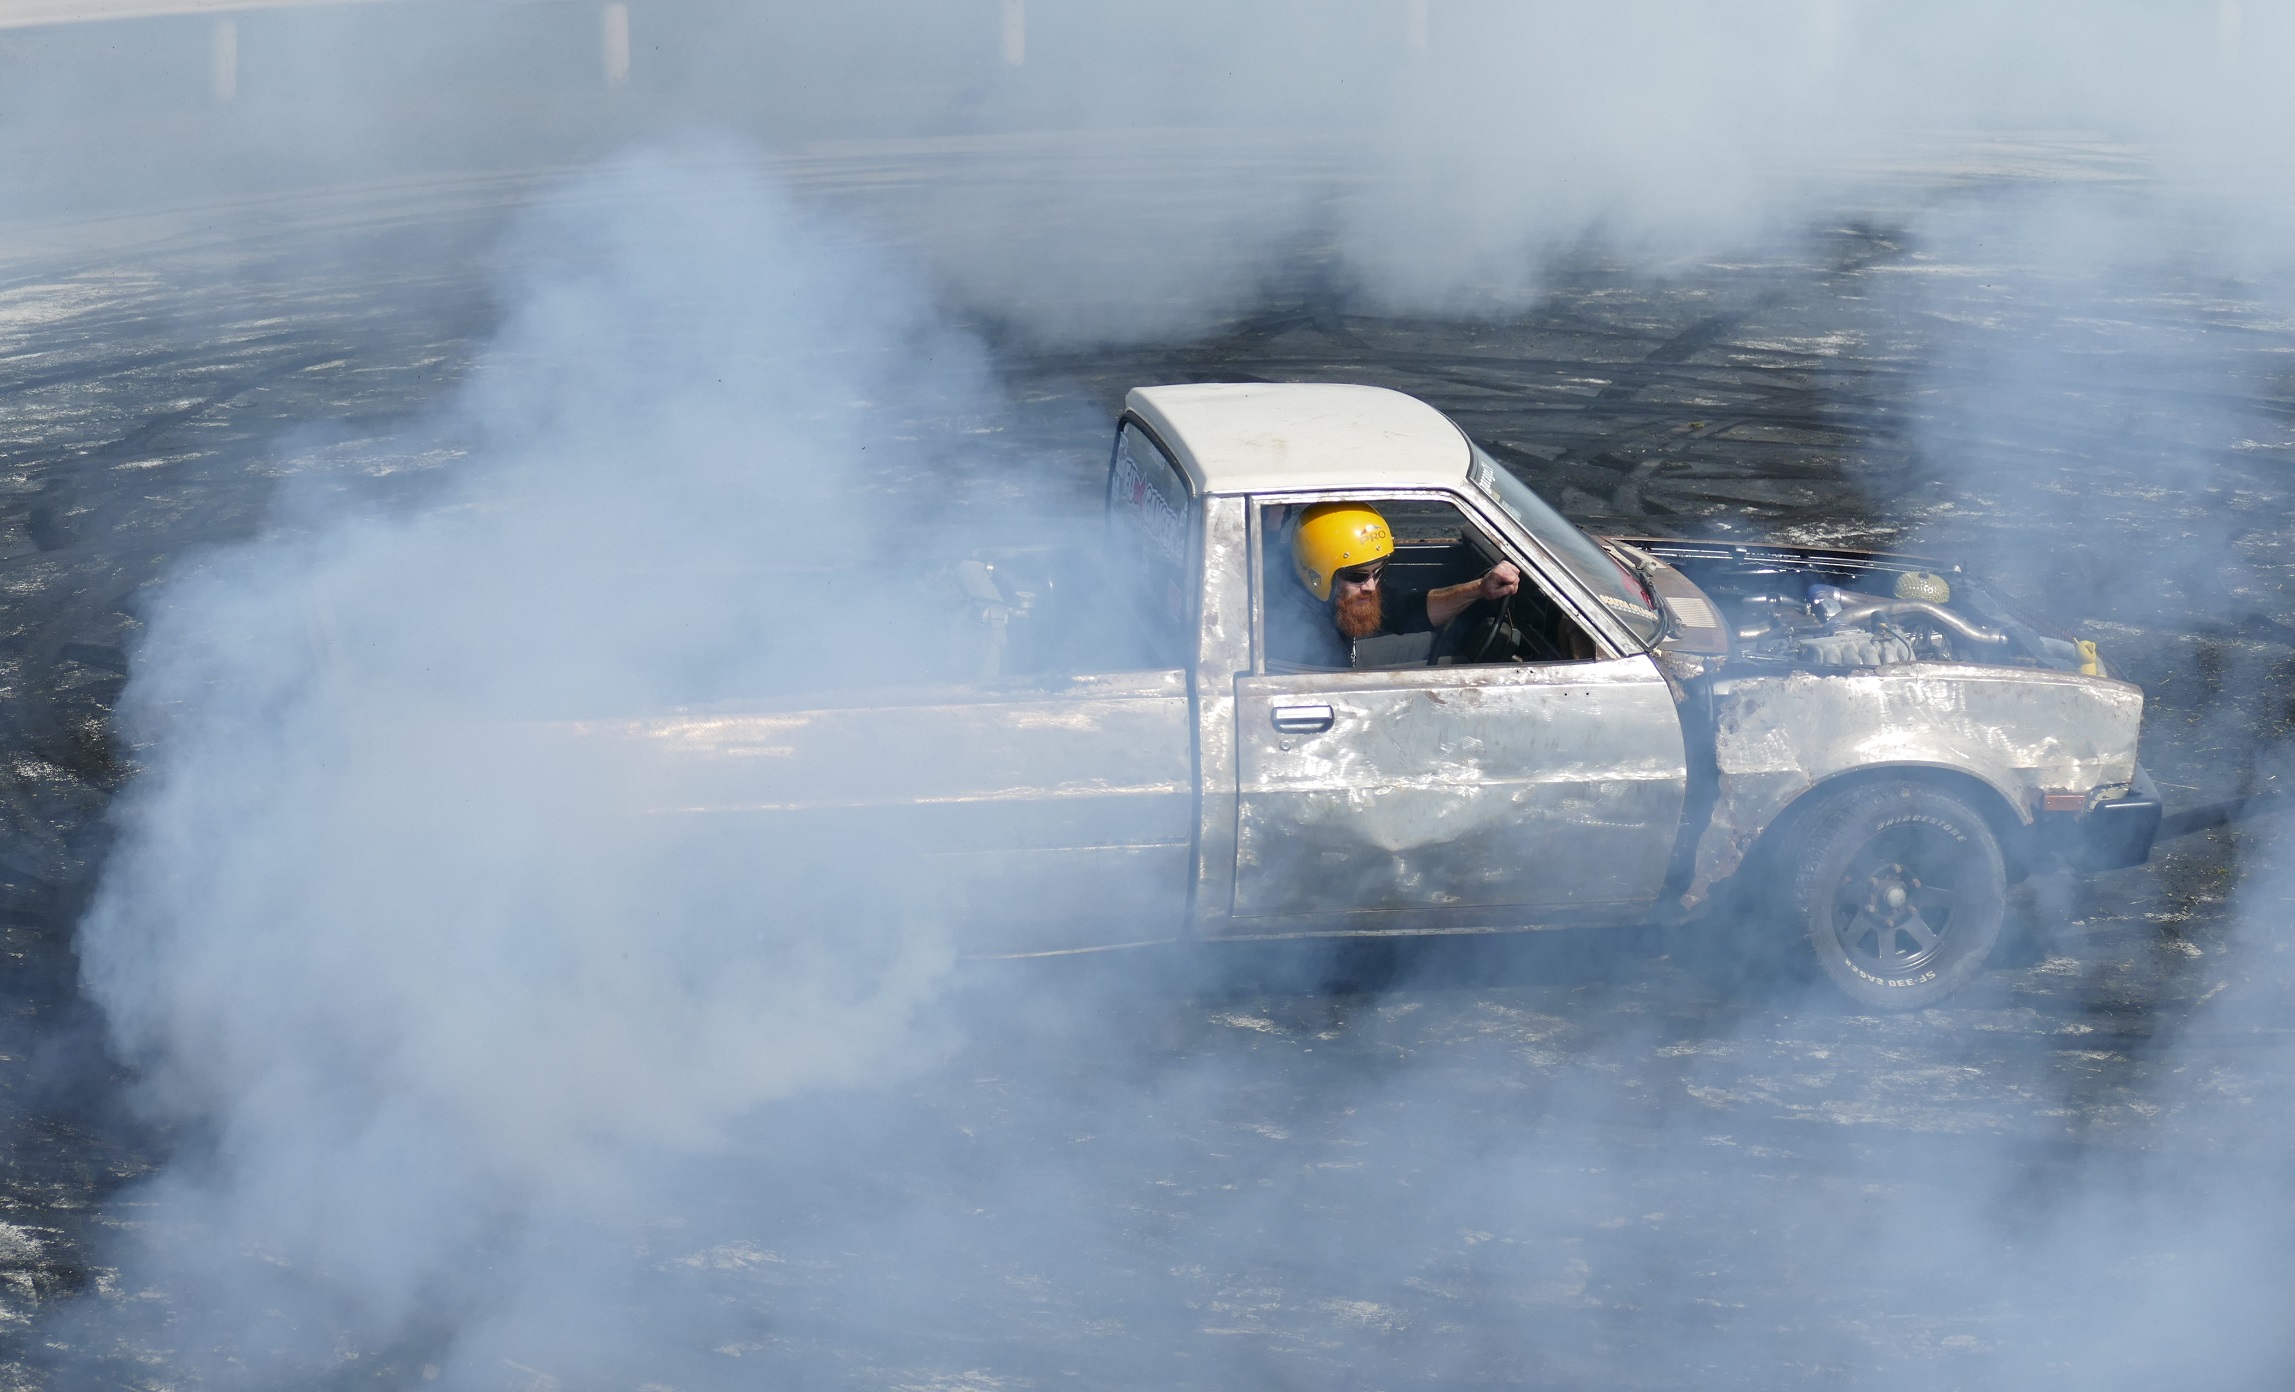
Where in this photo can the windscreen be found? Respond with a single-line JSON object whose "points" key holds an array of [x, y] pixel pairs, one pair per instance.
{"points": [[1585, 559]]}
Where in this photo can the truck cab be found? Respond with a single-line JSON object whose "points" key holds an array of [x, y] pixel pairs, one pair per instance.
{"points": [[1423, 789]]}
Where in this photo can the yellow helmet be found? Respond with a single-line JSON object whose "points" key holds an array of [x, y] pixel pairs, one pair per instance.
{"points": [[1332, 536]]}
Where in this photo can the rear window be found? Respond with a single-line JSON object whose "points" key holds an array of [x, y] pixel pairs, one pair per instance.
{"points": [[1147, 498], [1148, 512]]}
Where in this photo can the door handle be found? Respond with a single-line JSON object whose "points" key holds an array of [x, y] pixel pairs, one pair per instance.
{"points": [[1303, 720]]}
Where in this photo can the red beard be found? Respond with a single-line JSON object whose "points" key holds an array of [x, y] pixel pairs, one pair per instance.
{"points": [[1358, 615]]}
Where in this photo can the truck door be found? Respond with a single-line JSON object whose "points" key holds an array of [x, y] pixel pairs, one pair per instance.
{"points": [[1429, 796]]}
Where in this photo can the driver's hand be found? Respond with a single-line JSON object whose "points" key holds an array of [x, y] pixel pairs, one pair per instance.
{"points": [[1502, 580]]}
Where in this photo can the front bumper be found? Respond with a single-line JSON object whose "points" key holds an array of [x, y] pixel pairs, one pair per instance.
{"points": [[2109, 835]]}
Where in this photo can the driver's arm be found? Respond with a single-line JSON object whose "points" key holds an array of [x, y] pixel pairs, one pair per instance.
{"points": [[1450, 601]]}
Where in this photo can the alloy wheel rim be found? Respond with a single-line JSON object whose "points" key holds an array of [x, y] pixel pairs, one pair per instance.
{"points": [[1896, 907]]}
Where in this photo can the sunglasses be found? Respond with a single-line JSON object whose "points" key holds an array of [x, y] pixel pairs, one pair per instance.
{"points": [[1359, 575]]}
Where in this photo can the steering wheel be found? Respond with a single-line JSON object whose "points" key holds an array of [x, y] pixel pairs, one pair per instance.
{"points": [[1481, 633], [1493, 637]]}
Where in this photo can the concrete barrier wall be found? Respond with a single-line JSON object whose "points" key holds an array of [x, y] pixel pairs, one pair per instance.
{"points": [[21, 14]]}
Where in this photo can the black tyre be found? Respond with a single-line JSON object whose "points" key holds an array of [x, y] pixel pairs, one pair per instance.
{"points": [[1901, 889]]}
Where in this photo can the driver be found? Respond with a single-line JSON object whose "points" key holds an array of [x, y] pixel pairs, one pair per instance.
{"points": [[1337, 553]]}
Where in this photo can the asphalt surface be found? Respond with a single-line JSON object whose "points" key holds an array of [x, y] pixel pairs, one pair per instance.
{"points": [[1549, 1162]]}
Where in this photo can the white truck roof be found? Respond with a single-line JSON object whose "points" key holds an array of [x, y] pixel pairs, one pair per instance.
{"points": [[1265, 437]]}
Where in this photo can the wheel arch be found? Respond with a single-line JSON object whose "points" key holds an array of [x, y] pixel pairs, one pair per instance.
{"points": [[1999, 811]]}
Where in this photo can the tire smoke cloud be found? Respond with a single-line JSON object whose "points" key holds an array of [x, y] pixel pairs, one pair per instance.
{"points": [[411, 962], [480, 1081]]}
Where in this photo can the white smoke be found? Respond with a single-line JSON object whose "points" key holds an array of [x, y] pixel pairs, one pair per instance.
{"points": [[411, 963]]}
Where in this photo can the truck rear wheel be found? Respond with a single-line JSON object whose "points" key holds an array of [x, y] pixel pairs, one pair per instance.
{"points": [[1901, 889]]}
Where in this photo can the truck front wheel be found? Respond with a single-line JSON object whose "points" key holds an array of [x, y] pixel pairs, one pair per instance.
{"points": [[1901, 889]]}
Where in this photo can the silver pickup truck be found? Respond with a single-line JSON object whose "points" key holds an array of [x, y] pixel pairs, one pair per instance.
{"points": [[1858, 750]]}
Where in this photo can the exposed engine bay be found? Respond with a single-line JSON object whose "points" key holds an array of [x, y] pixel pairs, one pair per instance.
{"points": [[1806, 608]]}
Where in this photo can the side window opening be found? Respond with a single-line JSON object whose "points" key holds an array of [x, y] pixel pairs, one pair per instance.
{"points": [[1436, 546]]}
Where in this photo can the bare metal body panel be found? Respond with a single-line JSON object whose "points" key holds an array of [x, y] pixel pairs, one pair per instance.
{"points": [[2020, 731], [1041, 816], [1223, 650], [1436, 795]]}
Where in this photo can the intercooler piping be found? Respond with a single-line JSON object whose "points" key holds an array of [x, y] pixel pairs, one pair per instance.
{"points": [[1841, 606]]}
